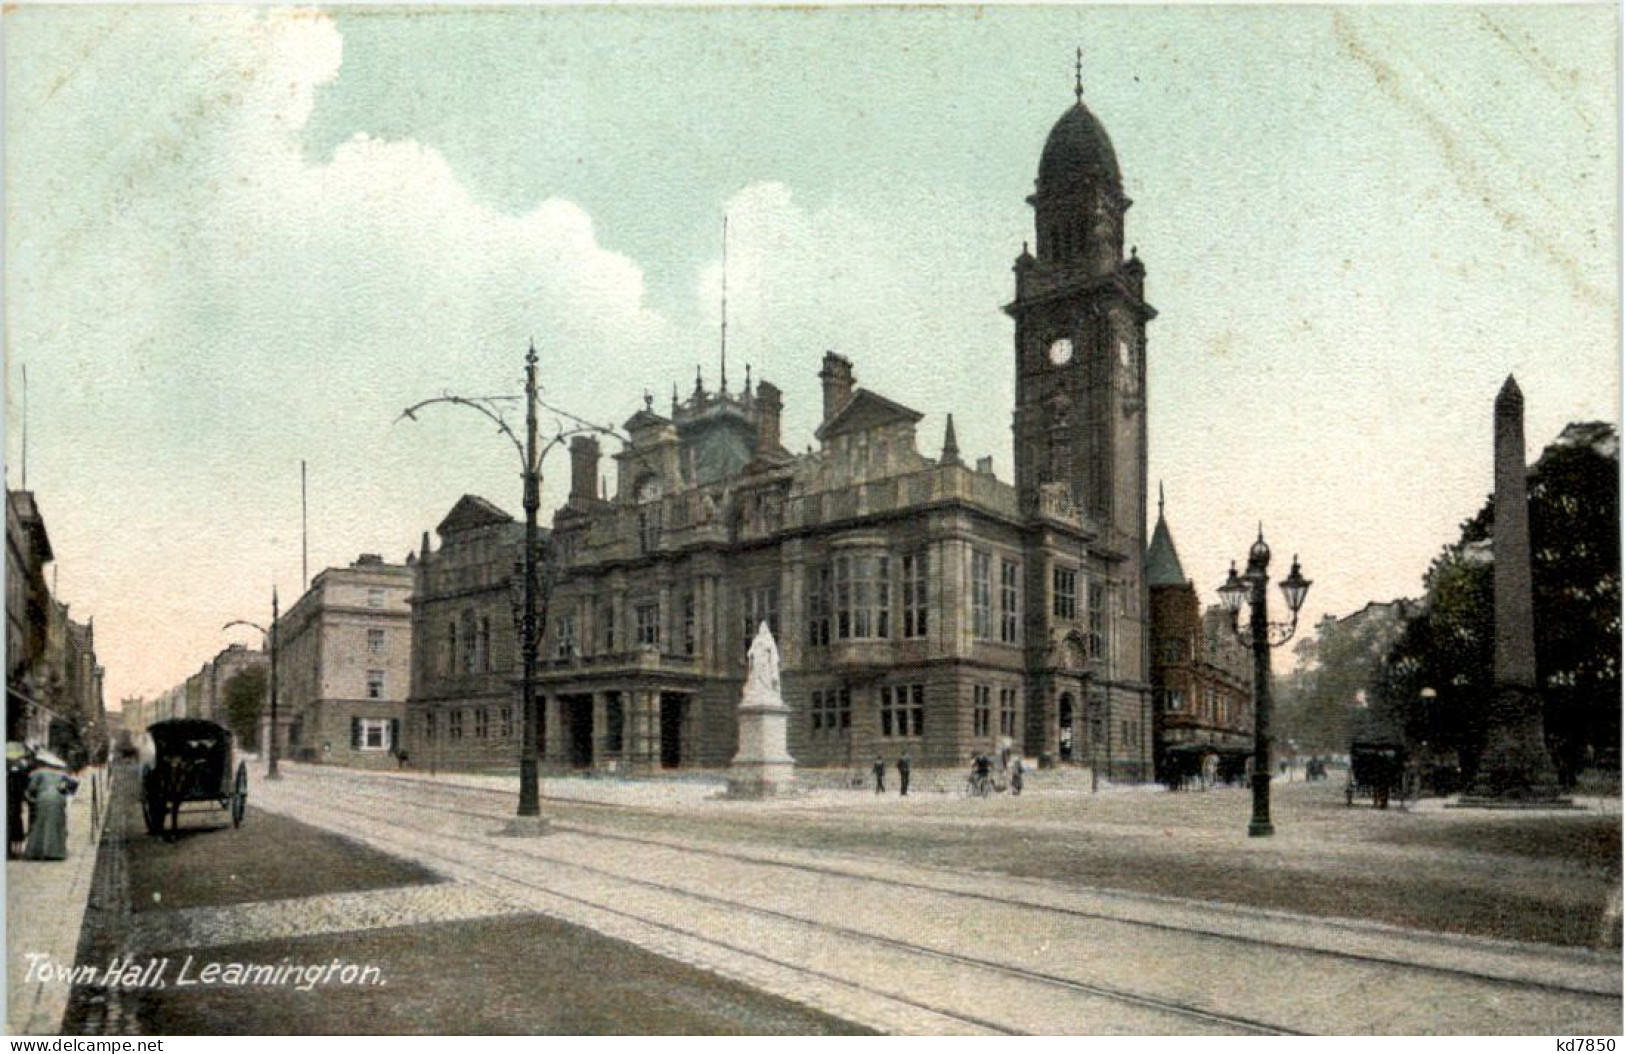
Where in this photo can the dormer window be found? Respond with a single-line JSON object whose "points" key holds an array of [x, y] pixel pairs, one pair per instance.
{"points": [[648, 489]]}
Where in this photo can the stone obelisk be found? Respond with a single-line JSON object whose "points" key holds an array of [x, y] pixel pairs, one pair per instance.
{"points": [[763, 767], [1515, 766]]}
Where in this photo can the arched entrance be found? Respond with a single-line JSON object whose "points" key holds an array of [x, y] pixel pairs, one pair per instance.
{"points": [[1066, 716]]}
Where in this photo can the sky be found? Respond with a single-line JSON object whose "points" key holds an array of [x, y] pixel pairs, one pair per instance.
{"points": [[240, 238]]}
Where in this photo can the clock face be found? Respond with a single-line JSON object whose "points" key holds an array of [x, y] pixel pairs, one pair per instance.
{"points": [[1060, 352]]}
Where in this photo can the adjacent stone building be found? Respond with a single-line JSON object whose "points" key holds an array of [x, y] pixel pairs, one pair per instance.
{"points": [[28, 609], [465, 658], [919, 604], [344, 663], [1201, 673], [53, 681], [218, 673]]}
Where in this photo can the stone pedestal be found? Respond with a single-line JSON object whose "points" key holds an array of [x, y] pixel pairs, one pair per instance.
{"points": [[763, 767]]}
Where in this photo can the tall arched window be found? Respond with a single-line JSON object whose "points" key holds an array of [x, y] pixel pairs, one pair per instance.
{"points": [[647, 496], [470, 642]]}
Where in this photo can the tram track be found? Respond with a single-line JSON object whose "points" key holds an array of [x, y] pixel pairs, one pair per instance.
{"points": [[1005, 898], [1185, 1012]]}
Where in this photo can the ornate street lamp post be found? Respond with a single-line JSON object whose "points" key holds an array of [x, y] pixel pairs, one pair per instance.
{"points": [[271, 771], [1263, 635], [527, 618]]}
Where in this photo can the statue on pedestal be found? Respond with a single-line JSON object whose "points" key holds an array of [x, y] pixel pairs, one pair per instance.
{"points": [[763, 766]]}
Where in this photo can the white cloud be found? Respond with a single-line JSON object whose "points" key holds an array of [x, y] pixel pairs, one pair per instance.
{"points": [[253, 308], [915, 307]]}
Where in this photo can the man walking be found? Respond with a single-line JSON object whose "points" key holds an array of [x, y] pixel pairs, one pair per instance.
{"points": [[902, 774], [880, 774]]}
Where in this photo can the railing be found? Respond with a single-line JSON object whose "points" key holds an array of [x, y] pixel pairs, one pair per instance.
{"points": [[648, 657], [694, 517]]}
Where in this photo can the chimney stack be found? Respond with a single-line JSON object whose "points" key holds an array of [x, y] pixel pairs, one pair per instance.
{"points": [[583, 469], [769, 409], [838, 383]]}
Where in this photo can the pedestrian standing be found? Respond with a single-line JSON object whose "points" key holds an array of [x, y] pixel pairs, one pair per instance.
{"points": [[902, 774], [880, 774], [48, 791], [17, 772], [1015, 776]]}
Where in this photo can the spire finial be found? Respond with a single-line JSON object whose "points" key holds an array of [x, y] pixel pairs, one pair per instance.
{"points": [[1077, 85], [950, 444], [724, 301], [1161, 498]]}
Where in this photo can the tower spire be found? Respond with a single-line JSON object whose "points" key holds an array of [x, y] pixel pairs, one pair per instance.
{"points": [[1160, 499], [724, 301], [1077, 83], [950, 444]]}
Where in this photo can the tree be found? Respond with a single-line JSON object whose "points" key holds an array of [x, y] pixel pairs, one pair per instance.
{"points": [[1447, 649], [1574, 560], [245, 697], [1340, 666]]}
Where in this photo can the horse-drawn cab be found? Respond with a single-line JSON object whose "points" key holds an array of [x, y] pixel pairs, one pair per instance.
{"points": [[188, 760], [1380, 769]]}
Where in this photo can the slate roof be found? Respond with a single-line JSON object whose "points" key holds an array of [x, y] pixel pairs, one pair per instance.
{"points": [[866, 410], [471, 511], [1162, 567]]}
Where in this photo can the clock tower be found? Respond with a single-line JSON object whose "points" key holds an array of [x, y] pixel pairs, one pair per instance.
{"points": [[1080, 456], [1080, 318]]}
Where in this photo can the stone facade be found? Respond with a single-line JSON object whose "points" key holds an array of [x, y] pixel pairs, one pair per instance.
{"points": [[1201, 673], [206, 689], [68, 680], [28, 600], [344, 665], [918, 604], [464, 709]]}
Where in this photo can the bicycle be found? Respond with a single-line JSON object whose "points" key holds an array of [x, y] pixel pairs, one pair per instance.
{"points": [[978, 786]]}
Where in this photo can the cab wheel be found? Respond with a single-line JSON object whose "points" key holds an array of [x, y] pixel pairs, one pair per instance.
{"points": [[153, 814]]}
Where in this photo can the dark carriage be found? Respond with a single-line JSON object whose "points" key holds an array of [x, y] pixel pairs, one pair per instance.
{"points": [[1380, 770], [187, 760]]}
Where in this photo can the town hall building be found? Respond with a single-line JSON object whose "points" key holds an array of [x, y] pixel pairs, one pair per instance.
{"points": [[920, 604]]}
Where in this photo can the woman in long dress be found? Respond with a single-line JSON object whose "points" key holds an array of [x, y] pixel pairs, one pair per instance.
{"points": [[48, 792]]}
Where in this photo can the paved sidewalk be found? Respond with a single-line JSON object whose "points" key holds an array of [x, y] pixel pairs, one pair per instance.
{"points": [[45, 909]]}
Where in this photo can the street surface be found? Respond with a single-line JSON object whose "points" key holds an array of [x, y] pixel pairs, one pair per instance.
{"points": [[453, 956], [654, 907], [904, 940]]}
